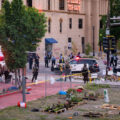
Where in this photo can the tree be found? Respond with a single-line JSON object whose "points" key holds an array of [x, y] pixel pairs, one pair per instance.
{"points": [[114, 11], [88, 49], [20, 27]]}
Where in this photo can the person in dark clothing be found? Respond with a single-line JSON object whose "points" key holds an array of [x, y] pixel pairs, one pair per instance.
{"points": [[53, 60], [115, 59], [7, 76], [30, 61], [35, 73], [85, 74], [46, 61], [37, 60], [111, 60], [67, 71]]}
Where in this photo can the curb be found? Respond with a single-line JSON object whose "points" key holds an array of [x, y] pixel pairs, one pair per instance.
{"points": [[11, 93]]}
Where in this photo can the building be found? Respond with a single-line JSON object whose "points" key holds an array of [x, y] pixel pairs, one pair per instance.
{"points": [[70, 23]]}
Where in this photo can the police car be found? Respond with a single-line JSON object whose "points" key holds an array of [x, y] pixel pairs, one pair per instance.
{"points": [[78, 63]]}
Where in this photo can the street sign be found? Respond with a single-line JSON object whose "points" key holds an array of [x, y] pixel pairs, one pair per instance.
{"points": [[107, 31]]}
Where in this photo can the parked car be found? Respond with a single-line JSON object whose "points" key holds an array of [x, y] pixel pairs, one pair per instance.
{"points": [[78, 63]]}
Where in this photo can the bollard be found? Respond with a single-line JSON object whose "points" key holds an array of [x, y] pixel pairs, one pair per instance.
{"points": [[106, 97]]}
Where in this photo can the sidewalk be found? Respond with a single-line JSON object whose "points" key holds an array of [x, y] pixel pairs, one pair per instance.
{"points": [[38, 91]]}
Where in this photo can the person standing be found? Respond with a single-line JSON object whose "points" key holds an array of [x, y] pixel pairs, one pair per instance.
{"points": [[53, 60], [115, 60], [37, 60], [30, 61], [85, 74], [35, 72], [61, 58], [67, 71], [49, 56], [111, 60], [46, 61]]}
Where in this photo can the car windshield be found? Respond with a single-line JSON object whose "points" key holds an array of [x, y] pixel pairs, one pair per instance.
{"points": [[83, 61]]}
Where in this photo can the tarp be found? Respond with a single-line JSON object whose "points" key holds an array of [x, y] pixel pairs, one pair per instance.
{"points": [[50, 40]]}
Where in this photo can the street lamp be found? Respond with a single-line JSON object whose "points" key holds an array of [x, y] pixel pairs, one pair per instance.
{"points": [[93, 41], [107, 35]]}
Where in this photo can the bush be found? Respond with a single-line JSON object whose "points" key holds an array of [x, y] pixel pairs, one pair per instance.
{"points": [[88, 49]]}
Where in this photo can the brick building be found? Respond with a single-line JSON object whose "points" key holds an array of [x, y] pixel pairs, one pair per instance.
{"points": [[70, 24]]}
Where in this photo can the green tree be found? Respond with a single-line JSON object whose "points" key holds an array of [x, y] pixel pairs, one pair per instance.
{"points": [[114, 11], [88, 49], [20, 28]]}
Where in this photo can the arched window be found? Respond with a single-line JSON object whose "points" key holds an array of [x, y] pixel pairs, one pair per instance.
{"points": [[61, 4], [49, 4], [29, 3], [61, 25], [49, 25]]}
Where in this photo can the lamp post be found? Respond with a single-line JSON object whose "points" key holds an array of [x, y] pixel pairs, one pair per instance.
{"points": [[107, 34], [93, 41]]}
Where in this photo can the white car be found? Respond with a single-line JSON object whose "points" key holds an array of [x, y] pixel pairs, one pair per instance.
{"points": [[77, 65]]}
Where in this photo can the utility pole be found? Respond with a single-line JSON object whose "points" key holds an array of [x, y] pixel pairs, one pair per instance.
{"points": [[107, 35]]}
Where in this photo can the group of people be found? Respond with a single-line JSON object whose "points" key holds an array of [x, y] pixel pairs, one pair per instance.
{"points": [[33, 59], [5, 74], [49, 58], [71, 56]]}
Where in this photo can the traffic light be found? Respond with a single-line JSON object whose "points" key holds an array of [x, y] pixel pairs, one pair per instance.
{"points": [[113, 43], [105, 44]]}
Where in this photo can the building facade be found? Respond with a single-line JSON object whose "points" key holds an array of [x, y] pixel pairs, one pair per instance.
{"points": [[72, 23]]}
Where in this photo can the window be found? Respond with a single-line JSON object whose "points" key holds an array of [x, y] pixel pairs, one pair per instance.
{"points": [[69, 39], [73, 62], [49, 25], [61, 25], [70, 23], [48, 4], [69, 43], [29, 3], [80, 23], [61, 5]]}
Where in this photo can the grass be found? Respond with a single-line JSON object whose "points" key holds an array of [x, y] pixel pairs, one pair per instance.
{"points": [[95, 86], [60, 118], [82, 110]]}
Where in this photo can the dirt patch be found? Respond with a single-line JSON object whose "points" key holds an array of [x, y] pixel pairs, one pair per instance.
{"points": [[15, 113]]}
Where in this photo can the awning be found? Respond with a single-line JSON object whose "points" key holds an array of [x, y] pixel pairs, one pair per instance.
{"points": [[50, 40]]}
